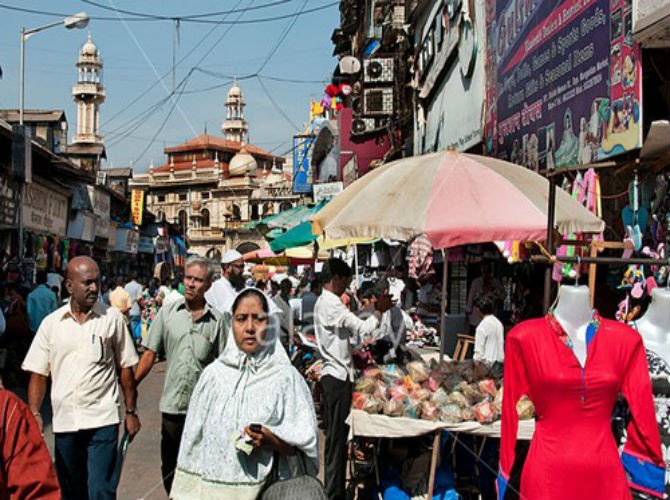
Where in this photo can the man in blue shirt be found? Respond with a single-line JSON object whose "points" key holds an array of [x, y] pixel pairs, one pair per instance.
{"points": [[41, 301]]}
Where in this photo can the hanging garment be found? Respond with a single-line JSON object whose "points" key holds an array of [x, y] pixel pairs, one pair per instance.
{"points": [[420, 258], [573, 453]]}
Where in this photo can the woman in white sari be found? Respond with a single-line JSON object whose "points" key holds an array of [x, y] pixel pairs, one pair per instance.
{"points": [[252, 382]]}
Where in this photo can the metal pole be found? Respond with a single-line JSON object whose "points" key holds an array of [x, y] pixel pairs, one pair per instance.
{"points": [[443, 305], [22, 71], [551, 215], [356, 265]]}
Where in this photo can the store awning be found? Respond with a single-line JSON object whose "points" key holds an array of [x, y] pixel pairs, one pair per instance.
{"points": [[288, 219], [299, 236]]}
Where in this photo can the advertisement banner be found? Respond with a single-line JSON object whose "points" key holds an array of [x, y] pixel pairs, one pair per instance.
{"points": [[327, 191], [136, 206], [566, 76], [302, 164]]}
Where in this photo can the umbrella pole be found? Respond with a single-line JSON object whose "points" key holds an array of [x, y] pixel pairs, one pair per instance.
{"points": [[356, 265], [551, 216], [443, 307]]}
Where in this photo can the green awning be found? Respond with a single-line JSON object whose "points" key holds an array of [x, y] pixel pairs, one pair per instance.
{"points": [[274, 233], [299, 236], [289, 219]]}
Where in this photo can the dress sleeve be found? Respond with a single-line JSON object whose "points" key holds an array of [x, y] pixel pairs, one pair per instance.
{"points": [[27, 465], [642, 457], [515, 385]]}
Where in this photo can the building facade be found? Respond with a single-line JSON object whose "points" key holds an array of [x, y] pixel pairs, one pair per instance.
{"points": [[213, 187]]}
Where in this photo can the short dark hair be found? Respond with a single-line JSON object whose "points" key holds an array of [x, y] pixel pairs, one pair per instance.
{"points": [[248, 292], [484, 304], [175, 283], [335, 267], [41, 277]]}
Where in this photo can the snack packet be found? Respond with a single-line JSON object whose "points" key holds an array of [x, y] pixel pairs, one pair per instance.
{"points": [[429, 411], [488, 386], [394, 408], [418, 371], [484, 412], [525, 408]]}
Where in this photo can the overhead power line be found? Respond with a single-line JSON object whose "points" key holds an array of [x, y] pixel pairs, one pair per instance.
{"points": [[159, 19]]}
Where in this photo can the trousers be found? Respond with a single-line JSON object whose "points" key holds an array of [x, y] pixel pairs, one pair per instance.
{"points": [[172, 427], [85, 462], [336, 404]]}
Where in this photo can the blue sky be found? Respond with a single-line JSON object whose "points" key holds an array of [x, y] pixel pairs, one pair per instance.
{"points": [[136, 53]]}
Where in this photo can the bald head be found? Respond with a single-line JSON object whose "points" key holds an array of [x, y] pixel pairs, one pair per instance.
{"points": [[80, 264], [83, 281]]}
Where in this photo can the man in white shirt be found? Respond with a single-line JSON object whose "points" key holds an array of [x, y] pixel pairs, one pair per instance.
{"points": [[81, 345], [485, 284], [173, 294], [489, 335], [334, 326], [224, 290], [286, 321]]}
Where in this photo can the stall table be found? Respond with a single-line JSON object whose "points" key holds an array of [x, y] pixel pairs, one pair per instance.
{"points": [[363, 424]]}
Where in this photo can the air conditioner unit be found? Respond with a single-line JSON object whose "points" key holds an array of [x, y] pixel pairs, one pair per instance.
{"points": [[378, 101], [362, 125], [379, 70]]}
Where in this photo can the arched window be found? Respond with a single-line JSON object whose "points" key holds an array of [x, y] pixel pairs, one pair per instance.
{"points": [[254, 211], [237, 213], [205, 217], [285, 205], [267, 209]]}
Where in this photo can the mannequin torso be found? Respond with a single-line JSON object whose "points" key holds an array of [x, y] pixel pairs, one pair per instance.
{"points": [[654, 326], [574, 313]]}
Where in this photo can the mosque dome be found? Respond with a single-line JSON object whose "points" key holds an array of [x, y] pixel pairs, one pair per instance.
{"points": [[242, 164], [235, 91], [89, 48]]}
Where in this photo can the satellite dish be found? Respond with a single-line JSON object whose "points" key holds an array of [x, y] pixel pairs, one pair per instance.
{"points": [[349, 65]]}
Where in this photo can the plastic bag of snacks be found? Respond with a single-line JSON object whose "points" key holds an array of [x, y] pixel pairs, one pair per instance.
{"points": [[412, 408], [366, 385], [451, 413], [429, 411], [366, 402], [472, 392], [418, 371], [380, 390], [392, 373], [458, 399], [421, 394], [440, 397], [410, 384], [488, 386], [394, 408], [468, 413], [525, 408], [398, 392], [435, 380], [484, 412], [358, 399], [373, 372], [497, 401]]}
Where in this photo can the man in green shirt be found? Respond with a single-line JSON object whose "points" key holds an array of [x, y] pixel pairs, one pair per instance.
{"points": [[191, 335]]}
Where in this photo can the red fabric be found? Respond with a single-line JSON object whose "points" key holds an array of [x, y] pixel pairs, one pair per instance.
{"points": [[573, 453], [27, 471]]}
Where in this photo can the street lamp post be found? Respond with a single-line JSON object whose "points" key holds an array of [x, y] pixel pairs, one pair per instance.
{"points": [[77, 21]]}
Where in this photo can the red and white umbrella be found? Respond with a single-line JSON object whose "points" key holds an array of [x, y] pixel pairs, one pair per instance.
{"points": [[453, 198]]}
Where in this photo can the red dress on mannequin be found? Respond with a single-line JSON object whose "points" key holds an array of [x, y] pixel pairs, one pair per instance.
{"points": [[573, 454]]}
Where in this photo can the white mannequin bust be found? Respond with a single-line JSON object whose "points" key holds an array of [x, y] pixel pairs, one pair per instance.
{"points": [[654, 326], [574, 313]]}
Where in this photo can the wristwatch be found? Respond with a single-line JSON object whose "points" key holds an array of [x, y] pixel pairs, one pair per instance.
{"points": [[131, 411]]}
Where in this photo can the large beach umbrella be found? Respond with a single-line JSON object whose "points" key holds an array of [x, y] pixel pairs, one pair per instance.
{"points": [[453, 198]]}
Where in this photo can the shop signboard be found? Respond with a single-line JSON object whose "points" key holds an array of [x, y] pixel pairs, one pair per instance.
{"points": [[454, 64], [8, 202], [350, 171], [44, 209], [145, 245], [136, 206], [302, 163], [127, 240], [566, 76], [101, 204], [327, 191]]}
